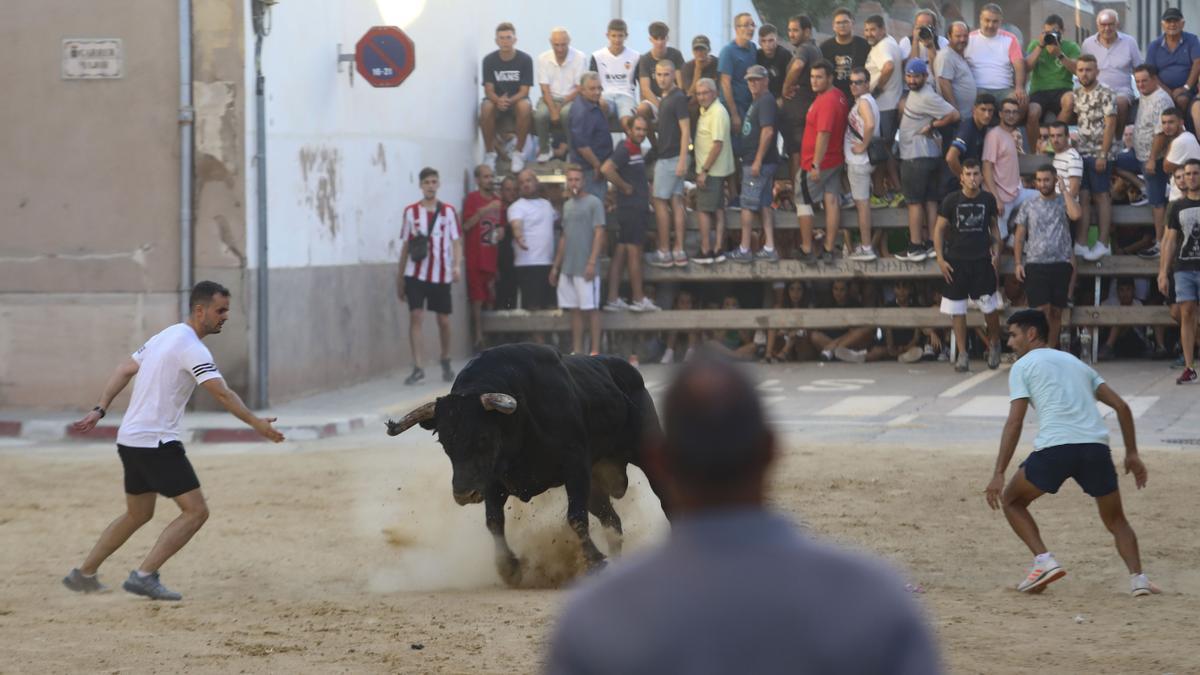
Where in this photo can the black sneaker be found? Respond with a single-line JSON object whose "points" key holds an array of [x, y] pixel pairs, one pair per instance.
{"points": [[447, 374], [703, 258], [915, 253], [809, 258], [417, 376]]}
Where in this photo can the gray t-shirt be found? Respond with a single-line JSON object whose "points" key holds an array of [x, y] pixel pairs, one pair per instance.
{"points": [[580, 218], [924, 106], [952, 66], [1049, 229], [672, 108], [732, 592]]}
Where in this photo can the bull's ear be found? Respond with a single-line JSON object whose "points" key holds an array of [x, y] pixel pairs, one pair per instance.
{"points": [[501, 403]]}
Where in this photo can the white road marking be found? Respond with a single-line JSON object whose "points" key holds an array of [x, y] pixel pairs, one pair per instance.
{"points": [[840, 384], [1139, 405], [771, 386], [771, 400], [863, 406], [651, 384], [973, 381], [901, 420], [983, 406]]}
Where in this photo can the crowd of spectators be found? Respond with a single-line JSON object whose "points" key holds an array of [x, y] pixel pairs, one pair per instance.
{"points": [[936, 122]]}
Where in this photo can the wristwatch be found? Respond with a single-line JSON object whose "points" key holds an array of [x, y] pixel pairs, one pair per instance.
{"points": [[100, 410]]}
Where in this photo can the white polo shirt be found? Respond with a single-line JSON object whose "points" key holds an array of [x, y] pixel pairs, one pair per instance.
{"points": [[171, 364], [562, 79]]}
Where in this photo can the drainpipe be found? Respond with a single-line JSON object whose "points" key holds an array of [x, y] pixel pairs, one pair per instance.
{"points": [[186, 119], [261, 394]]}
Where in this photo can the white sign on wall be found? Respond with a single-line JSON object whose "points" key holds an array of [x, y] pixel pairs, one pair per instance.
{"points": [[92, 59]]}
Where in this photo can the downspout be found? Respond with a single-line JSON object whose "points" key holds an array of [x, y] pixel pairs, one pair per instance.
{"points": [[186, 119], [261, 394]]}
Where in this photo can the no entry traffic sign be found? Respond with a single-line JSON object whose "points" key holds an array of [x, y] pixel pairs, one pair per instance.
{"points": [[385, 56]]}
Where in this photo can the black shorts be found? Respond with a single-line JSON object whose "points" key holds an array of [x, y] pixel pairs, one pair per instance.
{"points": [[632, 222], [1047, 283], [536, 291], [972, 279], [165, 470], [1090, 464], [921, 179], [426, 294], [1049, 99]]}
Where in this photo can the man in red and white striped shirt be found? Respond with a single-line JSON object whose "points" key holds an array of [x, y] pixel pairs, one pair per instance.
{"points": [[430, 260]]}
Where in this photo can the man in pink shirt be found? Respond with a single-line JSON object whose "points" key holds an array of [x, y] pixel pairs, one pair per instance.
{"points": [[996, 59], [1001, 164]]}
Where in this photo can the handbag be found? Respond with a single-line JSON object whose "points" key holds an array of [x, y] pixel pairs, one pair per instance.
{"points": [[877, 152], [418, 244]]}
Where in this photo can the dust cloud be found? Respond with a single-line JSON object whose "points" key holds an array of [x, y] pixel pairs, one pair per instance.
{"points": [[427, 542]]}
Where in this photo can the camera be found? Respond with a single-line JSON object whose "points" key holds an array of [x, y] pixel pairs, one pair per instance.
{"points": [[925, 33], [1052, 38]]}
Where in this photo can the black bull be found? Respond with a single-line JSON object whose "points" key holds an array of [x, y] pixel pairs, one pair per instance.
{"points": [[521, 419]]}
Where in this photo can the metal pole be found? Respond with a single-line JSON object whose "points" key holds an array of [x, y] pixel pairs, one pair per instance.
{"points": [[186, 118], [262, 397]]}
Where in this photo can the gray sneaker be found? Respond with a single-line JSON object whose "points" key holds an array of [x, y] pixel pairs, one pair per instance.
{"points": [[680, 258], [763, 255], [962, 365], [80, 583], [994, 356], [149, 586], [737, 255]]}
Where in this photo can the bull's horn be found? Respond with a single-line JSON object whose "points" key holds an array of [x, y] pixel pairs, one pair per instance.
{"points": [[502, 403], [418, 415]]}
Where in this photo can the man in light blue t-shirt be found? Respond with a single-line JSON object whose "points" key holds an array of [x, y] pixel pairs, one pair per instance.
{"points": [[1072, 442]]}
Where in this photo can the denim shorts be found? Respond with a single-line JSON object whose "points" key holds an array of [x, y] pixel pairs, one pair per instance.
{"points": [[666, 183], [1187, 285], [758, 193], [1096, 182]]}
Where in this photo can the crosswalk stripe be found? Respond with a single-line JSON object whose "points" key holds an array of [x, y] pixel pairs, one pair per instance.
{"points": [[1138, 404], [771, 386], [983, 406], [901, 420], [972, 382], [863, 406]]}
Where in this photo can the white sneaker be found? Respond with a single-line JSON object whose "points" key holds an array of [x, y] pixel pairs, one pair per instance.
{"points": [[668, 357], [1140, 585], [687, 356], [489, 158], [850, 355], [545, 157], [618, 305], [1082, 251], [516, 162], [910, 355], [1041, 575], [1100, 250], [863, 254], [645, 305], [660, 259]]}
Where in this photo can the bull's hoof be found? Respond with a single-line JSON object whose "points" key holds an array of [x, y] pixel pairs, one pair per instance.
{"points": [[509, 568], [596, 564]]}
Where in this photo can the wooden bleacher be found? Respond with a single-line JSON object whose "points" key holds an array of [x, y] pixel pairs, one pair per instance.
{"points": [[515, 321]]}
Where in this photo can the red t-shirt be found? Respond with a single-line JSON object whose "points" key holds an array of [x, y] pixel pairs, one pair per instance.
{"points": [[482, 240], [828, 112]]}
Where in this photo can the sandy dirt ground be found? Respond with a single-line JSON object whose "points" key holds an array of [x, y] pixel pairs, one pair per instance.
{"points": [[354, 558]]}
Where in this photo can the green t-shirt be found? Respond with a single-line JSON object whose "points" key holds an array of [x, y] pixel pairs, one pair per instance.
{"points": [[1048, 73]]}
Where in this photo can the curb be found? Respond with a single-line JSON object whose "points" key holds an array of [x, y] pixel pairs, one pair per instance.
{"points": [[55, 430]]}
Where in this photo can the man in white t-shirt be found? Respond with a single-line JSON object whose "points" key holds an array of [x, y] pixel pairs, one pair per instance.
{"points": [[996, 59], [886, 66], [1182, 146], [532, 221], [169, 366], [558, 71], [616, 65]]}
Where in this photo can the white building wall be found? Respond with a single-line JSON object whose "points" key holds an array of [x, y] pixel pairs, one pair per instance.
{"points": [[343, 159]]}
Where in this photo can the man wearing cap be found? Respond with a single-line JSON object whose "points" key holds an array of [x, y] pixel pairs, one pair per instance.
{"points": [[1176, 54], [735, 587], [760, 159], [926, 113]]}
